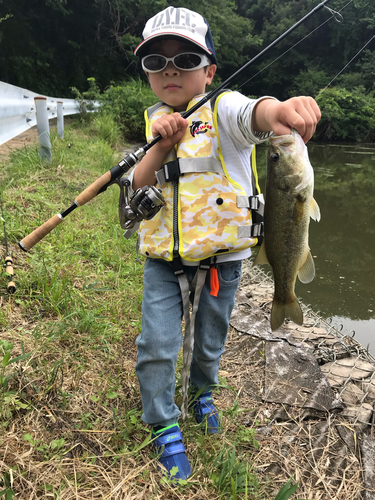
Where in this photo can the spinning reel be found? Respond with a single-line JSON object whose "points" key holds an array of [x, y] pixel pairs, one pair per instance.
{"points": [[144, 203]]}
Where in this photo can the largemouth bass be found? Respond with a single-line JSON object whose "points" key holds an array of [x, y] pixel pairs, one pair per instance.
{"points": [[288, 207]]}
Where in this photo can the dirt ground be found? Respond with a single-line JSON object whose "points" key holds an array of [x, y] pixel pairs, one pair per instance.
{"points": [[22, 140]]}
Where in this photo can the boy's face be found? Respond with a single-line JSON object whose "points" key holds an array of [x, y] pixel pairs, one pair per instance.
{"points": [[173, 86]]}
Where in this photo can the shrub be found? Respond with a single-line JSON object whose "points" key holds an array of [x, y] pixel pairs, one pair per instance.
{"points": [[127, 102], [346, 115], [105, 126], [123, 104]]}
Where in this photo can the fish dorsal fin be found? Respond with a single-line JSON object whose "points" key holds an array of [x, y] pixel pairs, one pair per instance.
{"points": [[261, 258], [314, 210], [307, 271]]}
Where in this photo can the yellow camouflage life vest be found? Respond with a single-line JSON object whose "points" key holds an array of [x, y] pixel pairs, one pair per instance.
{"points": [[206, 213]]}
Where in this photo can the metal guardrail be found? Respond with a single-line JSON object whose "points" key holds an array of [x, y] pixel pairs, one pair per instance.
{"points": [[18, 111]]}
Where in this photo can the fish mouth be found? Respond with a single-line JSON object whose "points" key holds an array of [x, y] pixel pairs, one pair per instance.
{"points": [[284, 140], [289, 143]]}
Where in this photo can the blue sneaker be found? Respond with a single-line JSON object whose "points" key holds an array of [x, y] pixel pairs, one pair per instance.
{"points": [[206, 412], [168, 444]]}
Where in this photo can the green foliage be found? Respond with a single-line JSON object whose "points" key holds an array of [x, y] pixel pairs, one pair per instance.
{"points": [[9, 399], [286, 491], [366, 69], [309, 82], [121, 109], [106, 127], [46, 450], [367, 10], [89, 46], [127, 103], [8, 492], [346, 115], [232, 476], [5, 18], [322, 51]]}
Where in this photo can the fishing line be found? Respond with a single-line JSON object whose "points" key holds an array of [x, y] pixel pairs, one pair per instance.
{"points": [[346, 65], [335, 15], [8, 259]]}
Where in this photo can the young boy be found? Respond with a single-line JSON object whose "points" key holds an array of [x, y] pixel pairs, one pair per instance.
{"points": [[203, 167]]}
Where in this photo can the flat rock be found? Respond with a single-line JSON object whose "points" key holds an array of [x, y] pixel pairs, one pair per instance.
{"points": [[360, 415], [293, 377], [367, 447], [352, 394], [341, 371]]}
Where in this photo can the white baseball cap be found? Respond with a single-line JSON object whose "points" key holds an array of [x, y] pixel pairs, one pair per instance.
{"points": [[178, 23]]}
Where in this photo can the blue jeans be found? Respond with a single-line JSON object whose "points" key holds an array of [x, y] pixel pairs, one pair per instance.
{"points": [[161, 337]]}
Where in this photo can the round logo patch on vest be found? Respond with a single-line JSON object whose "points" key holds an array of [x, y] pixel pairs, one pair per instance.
{"points": [[199, 127]]}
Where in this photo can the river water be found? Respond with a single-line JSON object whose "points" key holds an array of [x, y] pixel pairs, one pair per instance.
{"points": [[343, 242]]}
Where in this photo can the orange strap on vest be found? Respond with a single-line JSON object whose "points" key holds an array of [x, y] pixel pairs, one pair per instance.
{"points": [[214, 281]]}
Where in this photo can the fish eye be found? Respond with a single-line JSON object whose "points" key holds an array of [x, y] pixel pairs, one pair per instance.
{"points": [[274, 157]]}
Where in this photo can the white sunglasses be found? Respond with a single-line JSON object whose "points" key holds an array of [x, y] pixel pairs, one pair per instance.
{"points": [[187, 61]]}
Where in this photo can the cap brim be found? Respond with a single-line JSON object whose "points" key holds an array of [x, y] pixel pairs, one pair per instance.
{"points": [[142, 49]]}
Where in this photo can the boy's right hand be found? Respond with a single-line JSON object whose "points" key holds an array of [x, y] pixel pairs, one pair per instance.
{"points": [[171, 128]]}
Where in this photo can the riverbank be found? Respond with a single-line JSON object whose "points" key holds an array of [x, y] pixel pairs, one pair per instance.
{"points": [[309, 392]]}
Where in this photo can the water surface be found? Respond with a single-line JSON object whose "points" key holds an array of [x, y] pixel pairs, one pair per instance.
{"points": [[343, 242]]}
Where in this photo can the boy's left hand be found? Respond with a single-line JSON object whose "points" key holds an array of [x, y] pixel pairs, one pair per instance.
{"points": [[301, 113]]}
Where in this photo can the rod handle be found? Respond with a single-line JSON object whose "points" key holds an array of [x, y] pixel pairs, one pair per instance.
{"points": [[9, 270], [9, 265], [33, 238], [91, 191], [11, 287]]}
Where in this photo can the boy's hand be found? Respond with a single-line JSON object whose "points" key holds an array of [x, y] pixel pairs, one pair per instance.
{"points": [[171, 128], [301, 113]]}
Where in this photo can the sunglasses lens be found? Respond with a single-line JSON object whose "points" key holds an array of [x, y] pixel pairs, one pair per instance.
{"points": [[154, 62], [187, 61]]}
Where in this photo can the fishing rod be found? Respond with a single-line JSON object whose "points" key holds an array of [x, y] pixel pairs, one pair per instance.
{"points": [[8, 259], [110, 177]]}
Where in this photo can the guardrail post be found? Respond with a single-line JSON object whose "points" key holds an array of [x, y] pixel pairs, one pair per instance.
{"points": [[60, 119], [42, 122]]}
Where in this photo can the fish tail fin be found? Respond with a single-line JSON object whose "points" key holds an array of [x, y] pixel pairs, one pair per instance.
{"points": [[291, 310]]}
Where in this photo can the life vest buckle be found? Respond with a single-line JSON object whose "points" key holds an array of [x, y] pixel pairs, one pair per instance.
{"points": [[172, 171], [257, 230], [257, 203]]}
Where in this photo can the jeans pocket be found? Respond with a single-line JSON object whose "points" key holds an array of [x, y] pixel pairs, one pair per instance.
{"points": [[230, 272]]}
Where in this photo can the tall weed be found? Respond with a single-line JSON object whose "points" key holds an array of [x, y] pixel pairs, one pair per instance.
{"points": [[125, 102]]}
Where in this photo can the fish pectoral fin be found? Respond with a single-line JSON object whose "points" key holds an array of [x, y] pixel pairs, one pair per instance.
{"points": [[306, 273], [261, 258], [314, 210], [291, 310]]}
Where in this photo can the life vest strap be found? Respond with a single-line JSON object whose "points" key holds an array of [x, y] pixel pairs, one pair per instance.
{"points": [[253, 231], [255, 203], [172, 170], [196, 287]]}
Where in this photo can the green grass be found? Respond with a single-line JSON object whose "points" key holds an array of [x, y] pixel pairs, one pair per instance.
{"points": [[71, 424]]}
